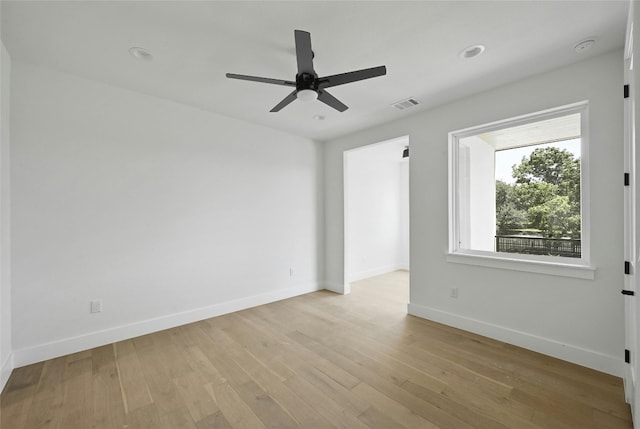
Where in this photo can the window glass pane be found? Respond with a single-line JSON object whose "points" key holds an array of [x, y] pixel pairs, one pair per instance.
{"points": [[538, 207]]}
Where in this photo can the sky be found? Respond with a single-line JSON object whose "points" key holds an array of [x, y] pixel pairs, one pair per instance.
{"points": [[507, 158]]}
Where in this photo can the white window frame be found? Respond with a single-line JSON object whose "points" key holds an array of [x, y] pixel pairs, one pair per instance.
{"points": [[553, 265]]}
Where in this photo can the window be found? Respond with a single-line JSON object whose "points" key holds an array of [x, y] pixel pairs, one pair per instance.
{"points": [[518, 193]]}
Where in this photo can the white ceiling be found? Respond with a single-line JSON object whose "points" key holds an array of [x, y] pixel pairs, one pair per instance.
{"points": [[195, 43], [534, 133]]}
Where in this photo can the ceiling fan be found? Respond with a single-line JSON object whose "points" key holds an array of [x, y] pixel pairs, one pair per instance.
{"points": [[308, 86]]}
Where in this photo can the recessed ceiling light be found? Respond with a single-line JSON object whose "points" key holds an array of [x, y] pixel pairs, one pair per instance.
{"points": [[319, 118], [472, 51], [140, 53], [583, 46]]}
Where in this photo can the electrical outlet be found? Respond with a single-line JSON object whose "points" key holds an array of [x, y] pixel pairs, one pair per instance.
{"points": [[454, 292], [291, 272], [96, 306]]}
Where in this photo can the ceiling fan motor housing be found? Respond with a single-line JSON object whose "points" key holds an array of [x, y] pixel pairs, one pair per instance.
{"points": [[307, 81]]}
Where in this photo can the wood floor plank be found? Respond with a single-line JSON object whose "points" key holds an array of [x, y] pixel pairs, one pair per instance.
{"points": [[145, 417], [601, 419], [319, 360], [336, 391], [263, 405], [235, 410], [273, 384], [373, 354], [267, 345], [15, 407], [332, 411], [109, 411], [471, 375], [178, 419], [203, 366], [296, 357], [390, 407], [18, 395], [164, 392], [195, 397], [377, 420], [78, 400], [46, 408], [415, 404], [134, 388], [214, 421], [27, 377], [500, 364]]}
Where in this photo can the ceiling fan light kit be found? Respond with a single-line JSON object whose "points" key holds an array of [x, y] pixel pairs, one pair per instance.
{"points": [[307, 95], [308, 86]]}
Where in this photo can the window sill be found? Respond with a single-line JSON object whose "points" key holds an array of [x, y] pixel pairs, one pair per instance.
{"points": [[531, 266]]}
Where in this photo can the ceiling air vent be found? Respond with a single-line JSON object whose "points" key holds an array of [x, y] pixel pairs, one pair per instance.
{"points": [[405, 104]]}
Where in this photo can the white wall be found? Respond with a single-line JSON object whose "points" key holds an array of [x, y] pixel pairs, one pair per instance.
{"points": [[166, 213], [6, 356], [480, 213], [405, 232], [577, 320], [377, 209]]}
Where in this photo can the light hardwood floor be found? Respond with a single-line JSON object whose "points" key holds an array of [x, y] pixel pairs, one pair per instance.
{"points": [[316, 361]]}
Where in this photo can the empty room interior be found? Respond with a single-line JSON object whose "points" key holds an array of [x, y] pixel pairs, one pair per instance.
{"points": [[436, 225]]}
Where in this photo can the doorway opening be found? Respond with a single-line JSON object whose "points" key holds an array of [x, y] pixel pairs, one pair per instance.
{"points": [[376, 211]]}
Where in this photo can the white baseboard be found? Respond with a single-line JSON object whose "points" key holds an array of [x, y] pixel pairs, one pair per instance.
{"points": [[41, 352], [5, 371], [354, 277], [591, 359]]}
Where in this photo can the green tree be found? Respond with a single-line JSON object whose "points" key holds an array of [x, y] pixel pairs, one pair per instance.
{"points": [[553, 216], [554, 166], [546, 194], [534, 194], [508, 216]]}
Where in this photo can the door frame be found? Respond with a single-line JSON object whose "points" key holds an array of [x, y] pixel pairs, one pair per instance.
{"points": [[631, 230]]}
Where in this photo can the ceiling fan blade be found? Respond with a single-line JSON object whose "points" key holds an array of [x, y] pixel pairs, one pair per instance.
{"points": [[304, 54], [354, 76], [288, 99], [261, 79], [331, 101]]}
